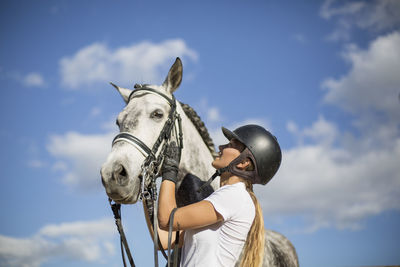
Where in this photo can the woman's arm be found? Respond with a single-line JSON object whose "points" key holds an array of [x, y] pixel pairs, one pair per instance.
{"points": [[193, 216]]}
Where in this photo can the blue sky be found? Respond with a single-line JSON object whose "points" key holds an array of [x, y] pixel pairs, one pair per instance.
{"points": [[323, 76]]}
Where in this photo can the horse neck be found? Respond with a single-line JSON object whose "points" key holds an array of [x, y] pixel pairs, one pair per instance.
{"points": [[196, 157]]}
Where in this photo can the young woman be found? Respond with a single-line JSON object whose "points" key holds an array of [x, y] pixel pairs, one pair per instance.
{"points": [[229, 221]]}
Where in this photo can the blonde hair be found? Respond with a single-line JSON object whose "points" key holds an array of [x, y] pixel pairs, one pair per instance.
{"points": [[253, 250]]}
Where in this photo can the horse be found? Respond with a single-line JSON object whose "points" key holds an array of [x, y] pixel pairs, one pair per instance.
{"points": [[144, 117]]}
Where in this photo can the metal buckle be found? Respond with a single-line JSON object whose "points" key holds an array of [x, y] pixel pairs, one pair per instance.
{"points": [[145, 195]]}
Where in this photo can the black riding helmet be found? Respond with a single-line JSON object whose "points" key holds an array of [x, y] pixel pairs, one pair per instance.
{"points": [[261, 147]]}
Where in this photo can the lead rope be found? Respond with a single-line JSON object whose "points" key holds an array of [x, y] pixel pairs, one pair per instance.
{"points": [[175, 251], [116, 208], [149, 205], [155, 225]]}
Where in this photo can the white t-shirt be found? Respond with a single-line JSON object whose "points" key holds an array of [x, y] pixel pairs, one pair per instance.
{"points": [[220, 244]]}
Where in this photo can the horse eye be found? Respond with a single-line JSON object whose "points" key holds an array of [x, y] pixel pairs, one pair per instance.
{"points": [[157, 114]]}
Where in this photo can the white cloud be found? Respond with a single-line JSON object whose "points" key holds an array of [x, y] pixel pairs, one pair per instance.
{"points": [[341, 32], [33, 79], [145, 61], [60, 166], [381, 15], [36, 163], [322, 131], [349, 8], [80, 228], [84, 241], [83, 154], [373, 81], [378, 15], [213, 114], [370, 91], [301, 38], [95, 111]]}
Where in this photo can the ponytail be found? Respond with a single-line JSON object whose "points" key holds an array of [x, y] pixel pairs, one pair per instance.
{"points": [[253, 250]]}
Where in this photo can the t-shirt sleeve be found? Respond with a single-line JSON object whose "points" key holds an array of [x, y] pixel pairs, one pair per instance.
{"points": [[224, 201]]}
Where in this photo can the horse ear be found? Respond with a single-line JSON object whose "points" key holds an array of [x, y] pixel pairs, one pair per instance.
{"points": [[125, 93], [174, 77]]}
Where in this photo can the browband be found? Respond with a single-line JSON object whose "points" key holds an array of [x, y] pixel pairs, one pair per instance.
{"points": [[151, 90]]}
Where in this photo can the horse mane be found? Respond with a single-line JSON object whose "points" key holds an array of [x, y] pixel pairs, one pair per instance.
{"points": [[200, 127]]}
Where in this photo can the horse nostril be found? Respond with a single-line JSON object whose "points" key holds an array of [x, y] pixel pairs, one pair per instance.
{"points": [[122, 172]]}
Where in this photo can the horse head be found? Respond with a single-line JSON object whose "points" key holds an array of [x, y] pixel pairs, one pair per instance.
{"points": [[144, 117]]}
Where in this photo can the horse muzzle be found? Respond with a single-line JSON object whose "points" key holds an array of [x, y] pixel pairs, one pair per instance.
{"points": [[119, 184]]}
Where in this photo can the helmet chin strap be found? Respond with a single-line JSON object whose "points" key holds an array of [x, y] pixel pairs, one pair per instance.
{"points": [[248, 175], [218, 172], [245, 174]]}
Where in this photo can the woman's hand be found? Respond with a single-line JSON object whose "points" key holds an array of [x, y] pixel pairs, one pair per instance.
{"points": [[169, 172], [170, 167]]}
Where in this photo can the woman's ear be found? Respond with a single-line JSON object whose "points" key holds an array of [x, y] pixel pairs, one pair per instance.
{"points": [[244, 164]]}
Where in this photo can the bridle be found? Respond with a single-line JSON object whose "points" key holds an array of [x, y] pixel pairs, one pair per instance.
{"points": [[150, 168]]}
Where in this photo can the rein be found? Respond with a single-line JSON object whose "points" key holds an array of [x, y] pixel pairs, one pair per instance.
{"points": [[150, 169]]}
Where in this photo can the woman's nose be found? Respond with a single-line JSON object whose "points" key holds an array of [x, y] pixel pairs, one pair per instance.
{"points": [[222, 147]]}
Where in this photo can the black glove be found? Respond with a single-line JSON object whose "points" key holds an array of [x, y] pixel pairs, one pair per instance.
{"points": [[170, 167]]}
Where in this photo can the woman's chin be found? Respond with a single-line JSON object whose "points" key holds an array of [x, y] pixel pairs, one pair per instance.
{"points": [[217, 164], [214, 162]]}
